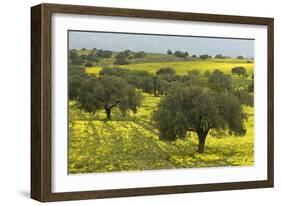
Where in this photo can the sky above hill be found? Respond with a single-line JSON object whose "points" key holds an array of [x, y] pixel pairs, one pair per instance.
{"points": [[161, 43]]}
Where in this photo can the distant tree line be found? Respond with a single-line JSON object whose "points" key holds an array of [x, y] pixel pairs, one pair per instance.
{"points": [[185, 54], [178, 53], [123, 58], [93, 56], [182, 54], [96, 55]]}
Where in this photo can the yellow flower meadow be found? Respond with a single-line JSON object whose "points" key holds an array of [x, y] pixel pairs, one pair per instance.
{"points": [[132, 143]]}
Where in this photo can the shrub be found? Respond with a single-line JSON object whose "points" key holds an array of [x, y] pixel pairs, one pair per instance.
{"points": [[89, 64]]}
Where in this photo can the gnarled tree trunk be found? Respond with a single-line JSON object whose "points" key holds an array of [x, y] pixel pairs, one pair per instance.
{"points": [[108, 109], [108, 113], [202, 138]]}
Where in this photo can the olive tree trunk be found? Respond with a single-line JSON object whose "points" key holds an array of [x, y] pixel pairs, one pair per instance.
{"points": [[108, 109], [202, 139], [108, 113]]}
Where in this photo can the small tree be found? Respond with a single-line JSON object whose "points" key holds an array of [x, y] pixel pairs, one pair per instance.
{"points": [[121, 59], [169, 52], [89, 64], [90, 57], [219, 56], [160, 85], [103, 53], [76, 78], [240, 71], [128, 53], [204, 56], [219, 81], [107, 93], [83, 57], [188, 109], [181, 54], [166, 71], [74, 58], [207, 73], [194, 72], [240, 57], [140, 54], [131, 100], [146, 84]]}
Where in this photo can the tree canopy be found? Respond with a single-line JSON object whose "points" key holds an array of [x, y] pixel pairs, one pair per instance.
{"points": [[219, 81], [240, 57], [74, 58], [181, 54], [107, 93], [205, 56], [121, 59], [166, 71], [140, 54], [195, 109], [240, 71], [169, 52]]}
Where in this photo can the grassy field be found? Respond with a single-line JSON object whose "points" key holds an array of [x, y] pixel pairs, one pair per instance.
{"points": [[182, 68], [132, 143]]}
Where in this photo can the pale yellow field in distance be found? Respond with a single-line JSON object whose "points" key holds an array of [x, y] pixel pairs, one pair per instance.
{"points": [[182, 68]]}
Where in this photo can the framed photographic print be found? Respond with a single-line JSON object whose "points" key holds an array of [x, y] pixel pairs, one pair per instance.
{"points": [[130, 102]]}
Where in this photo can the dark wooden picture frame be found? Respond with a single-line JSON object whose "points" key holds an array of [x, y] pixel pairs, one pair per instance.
{"points": [[41, 117]]}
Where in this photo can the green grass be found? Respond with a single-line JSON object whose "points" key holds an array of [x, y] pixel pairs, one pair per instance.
{"points": [[132, 143]]}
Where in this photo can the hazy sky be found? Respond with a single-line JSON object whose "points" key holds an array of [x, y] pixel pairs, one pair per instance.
{"points": [[160, 44]]}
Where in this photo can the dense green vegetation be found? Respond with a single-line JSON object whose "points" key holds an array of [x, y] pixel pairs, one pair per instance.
{"points": [[135, 110]]}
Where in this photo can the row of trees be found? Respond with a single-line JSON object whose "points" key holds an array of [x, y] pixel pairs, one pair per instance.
{"points": [[182, 54], [159, 82], [88, 59], [189, 103], [102, 93], [178, 53], [123, 58], [97, 55]]}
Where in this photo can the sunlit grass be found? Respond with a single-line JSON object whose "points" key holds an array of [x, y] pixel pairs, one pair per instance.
{"points": [[93, 70], [182, 68], [132, 143], [204, 65]]}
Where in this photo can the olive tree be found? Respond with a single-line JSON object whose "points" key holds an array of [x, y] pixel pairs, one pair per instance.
{"points": [[160, 85], [196, 109], [107, 93], [169, 52], [77, 76], [219, 81], [74, 58], [240, 71]]}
